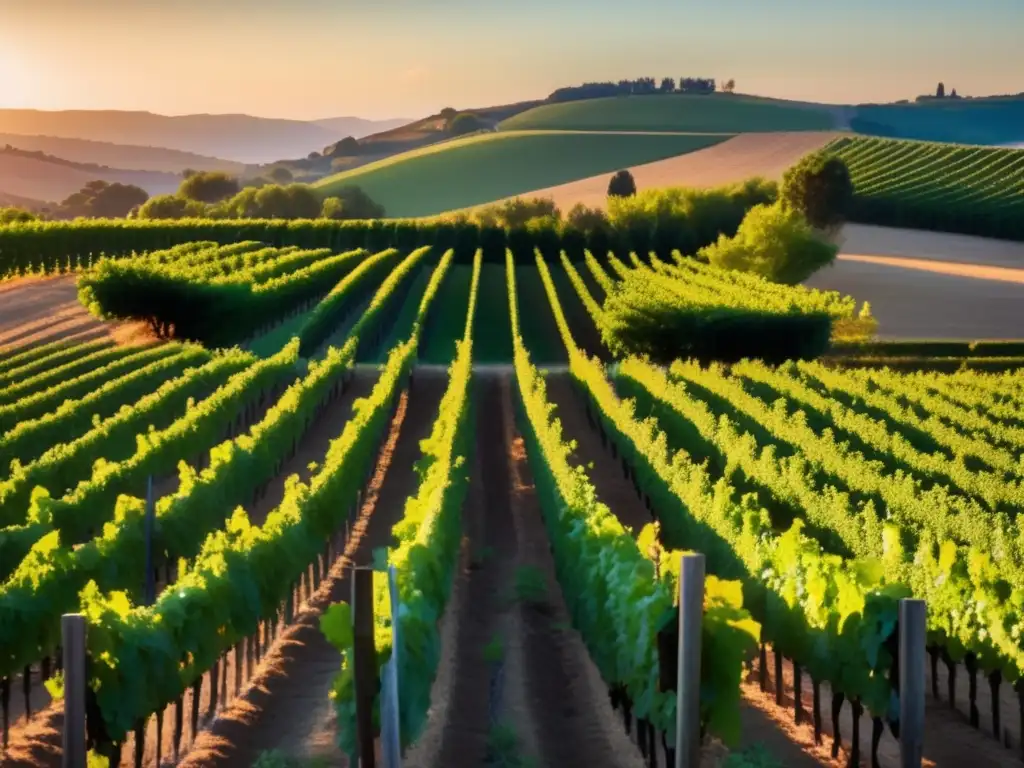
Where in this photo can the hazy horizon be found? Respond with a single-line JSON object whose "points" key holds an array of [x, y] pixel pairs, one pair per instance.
{"points": [[315, 59]]}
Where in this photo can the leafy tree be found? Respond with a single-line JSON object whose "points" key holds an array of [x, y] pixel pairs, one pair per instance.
{"points": [[209, 186], [101, 199], [622, 185], [448, 113], [171, 207], [668, 84], [294, 201], [729, 86], [776, 242], [345, 148], [281, 175], [940, 91], [356, 204], [465, 123], [820, 188], [953, 94]]}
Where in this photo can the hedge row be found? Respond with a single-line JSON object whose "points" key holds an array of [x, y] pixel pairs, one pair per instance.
{"points": [[64, 246]]}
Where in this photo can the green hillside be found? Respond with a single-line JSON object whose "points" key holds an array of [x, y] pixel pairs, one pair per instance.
{"points": [[491, 166], [967, 121], [676, 112]]}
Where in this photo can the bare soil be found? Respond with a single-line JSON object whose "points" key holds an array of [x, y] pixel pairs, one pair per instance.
{"points": [[866, 240], [568, 711], [464, 695], [917, 299], [40, 310]]}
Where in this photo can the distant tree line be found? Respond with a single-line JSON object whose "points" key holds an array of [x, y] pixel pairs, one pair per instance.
{"points": [[940, 93], [209, 195], [642, 86]]}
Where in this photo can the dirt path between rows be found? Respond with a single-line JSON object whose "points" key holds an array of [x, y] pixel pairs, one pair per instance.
{"points": [[516, 686], [287, 707], [41, 310], [464, 695], [568, 710]]}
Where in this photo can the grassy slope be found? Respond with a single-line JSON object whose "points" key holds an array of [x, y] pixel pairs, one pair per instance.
{"points": [[717, 113], [491, 166]]}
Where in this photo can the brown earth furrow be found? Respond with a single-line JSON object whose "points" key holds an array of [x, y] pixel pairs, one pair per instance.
{"points": [[564, 713], [462, 698]]}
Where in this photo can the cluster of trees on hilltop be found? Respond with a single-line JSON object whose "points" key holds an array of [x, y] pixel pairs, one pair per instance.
{"points": [[641, 86], [942, 93]]}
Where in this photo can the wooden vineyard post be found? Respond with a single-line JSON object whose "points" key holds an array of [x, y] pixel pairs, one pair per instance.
{"points": [[72, 628], [365, 657], [691, 615], [150, 523], [391, 744], [912, 684]]}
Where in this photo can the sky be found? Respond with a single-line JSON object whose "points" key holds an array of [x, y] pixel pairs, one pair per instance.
{"points": [[308, 59]]}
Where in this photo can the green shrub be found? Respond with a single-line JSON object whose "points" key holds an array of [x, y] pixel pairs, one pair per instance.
{"points": [[465, 123], [774, 242]]}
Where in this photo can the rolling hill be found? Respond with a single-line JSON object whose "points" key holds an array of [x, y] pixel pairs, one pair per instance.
{"points": [[491, 166], [52, 179], [241, 138], [127, 156], [360, 126], [741, 157], [715, 113]]}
